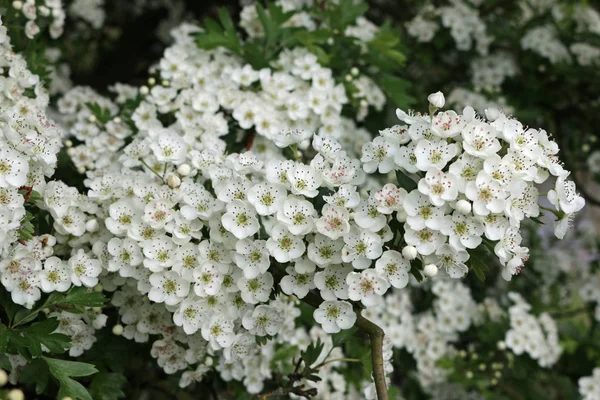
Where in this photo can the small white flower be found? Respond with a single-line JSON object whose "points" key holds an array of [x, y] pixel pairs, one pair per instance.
{"points": [[334, 222], [394, 268], [362, 246], [297, 215], [437, 99], [367, 287], [262, 321], [439, 186], [168, 287], [84, 270], [240, 219], [283, 245], [335, 316], [55, 275]]}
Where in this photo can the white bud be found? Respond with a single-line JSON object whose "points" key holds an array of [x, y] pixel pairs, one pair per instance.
{"points": [[208, 362], [437, 99], [17, 5], [144, 90], [91, 225], [44, 11], [68, 143], [430, 270], [81, 170], [3, 377], [463, 207], [348, 77], [184, 170], [354, 71], [585, 148], [492, 114], [92, 118], [409, 252], [151, 81], [67, 398], [165, 82], [90, 165], [501, 345], [98, 288], [173, 181], [117, 120], [97, 309], [15, 394], [71, 151], [117, 330]]}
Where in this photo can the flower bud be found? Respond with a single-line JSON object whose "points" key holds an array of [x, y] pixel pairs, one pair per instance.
{"points": [[3, 377], [97, 309], [173, 181], [437, 99], [165, 83], [208, 362], [91, 225], [68, 143], [81, 170], [117, 120], [354, 71], [67, 398], [492, 114], [463, 207], [117, 330], [184, 170], [409, 252], [17, 5], [501, 345], [15, 394], [92, 118], [44, 11], [98, 288], [144, 90], [430, 270], [151, 81]]}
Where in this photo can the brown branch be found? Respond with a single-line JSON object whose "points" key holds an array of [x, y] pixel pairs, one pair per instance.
{"points": [[376, 338]]}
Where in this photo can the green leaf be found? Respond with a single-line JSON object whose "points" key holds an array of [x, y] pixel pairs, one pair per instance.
{"points": [[405, 181], [28, 342], [107, 386], [82, 297], [5, 362], [64, 370], [314, 378], [340, 338], [478, 267], [3, 338], [397, 90], [35, 373], [312, 352]]}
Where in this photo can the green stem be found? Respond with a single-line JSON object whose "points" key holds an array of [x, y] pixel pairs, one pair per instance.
{"points": [[151, 170]]}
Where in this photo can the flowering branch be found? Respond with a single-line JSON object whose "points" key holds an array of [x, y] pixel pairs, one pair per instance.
{"points": [[376, 335]]}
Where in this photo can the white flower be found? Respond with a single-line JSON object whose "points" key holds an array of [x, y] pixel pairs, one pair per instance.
{"points": [[331, 282], [564, 196], [334, 222], [335, 316], [240, 219], [362, 246], [158, 213], [84, 270], [366, 286], [421, 213], [439, 186], [436, 99], [389, 198], [283, 245], [189, 315], [252, 257], [55, 276], [13, 167], [447, 124], [208, 279], [462, 230], [125, 252], [452, 260], [267, 197], [168, 287], [324, 251], [218, 331], [480, 139], [486, 194], [262, 321], [434, 154], [394, 268], [304, 180], [298, 282], [367, 215], [378, 155], [297, 215], [256, 290], [425, 240]]}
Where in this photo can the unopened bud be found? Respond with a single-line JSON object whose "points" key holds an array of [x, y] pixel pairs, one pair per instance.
{"points": [[15, 394], [173, 181], [409, 252], [463, 207], [91, 225], [98, 288], [117, 330], [144, 90], [430, 270], [184, 170], [437, 99], [92, 118], [151, 81], [3, 377], [68, 143], [17, 5]]}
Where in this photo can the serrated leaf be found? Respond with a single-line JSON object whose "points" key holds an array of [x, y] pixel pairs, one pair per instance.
{"points": [[35, 373], [82, 297], [64, 370], [479, 268], [416, 266], [107, 386], [314, 378]]}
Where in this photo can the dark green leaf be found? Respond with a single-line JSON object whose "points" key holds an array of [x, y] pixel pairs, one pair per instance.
{"points": [[340, 338], [405, 181], [63, 370], [314, 378], [479, 268], [35, 373], [107, 386], [82, 297]]}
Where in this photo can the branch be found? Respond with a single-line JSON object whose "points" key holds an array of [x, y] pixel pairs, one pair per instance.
{"points": [[376, 338]]}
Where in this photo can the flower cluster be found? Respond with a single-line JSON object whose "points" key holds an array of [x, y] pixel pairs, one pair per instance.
{"points": [[589, 386], [537, 337], [40, 13]]}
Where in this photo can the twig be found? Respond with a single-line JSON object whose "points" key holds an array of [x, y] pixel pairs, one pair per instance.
{"points": [[376, 338]]}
